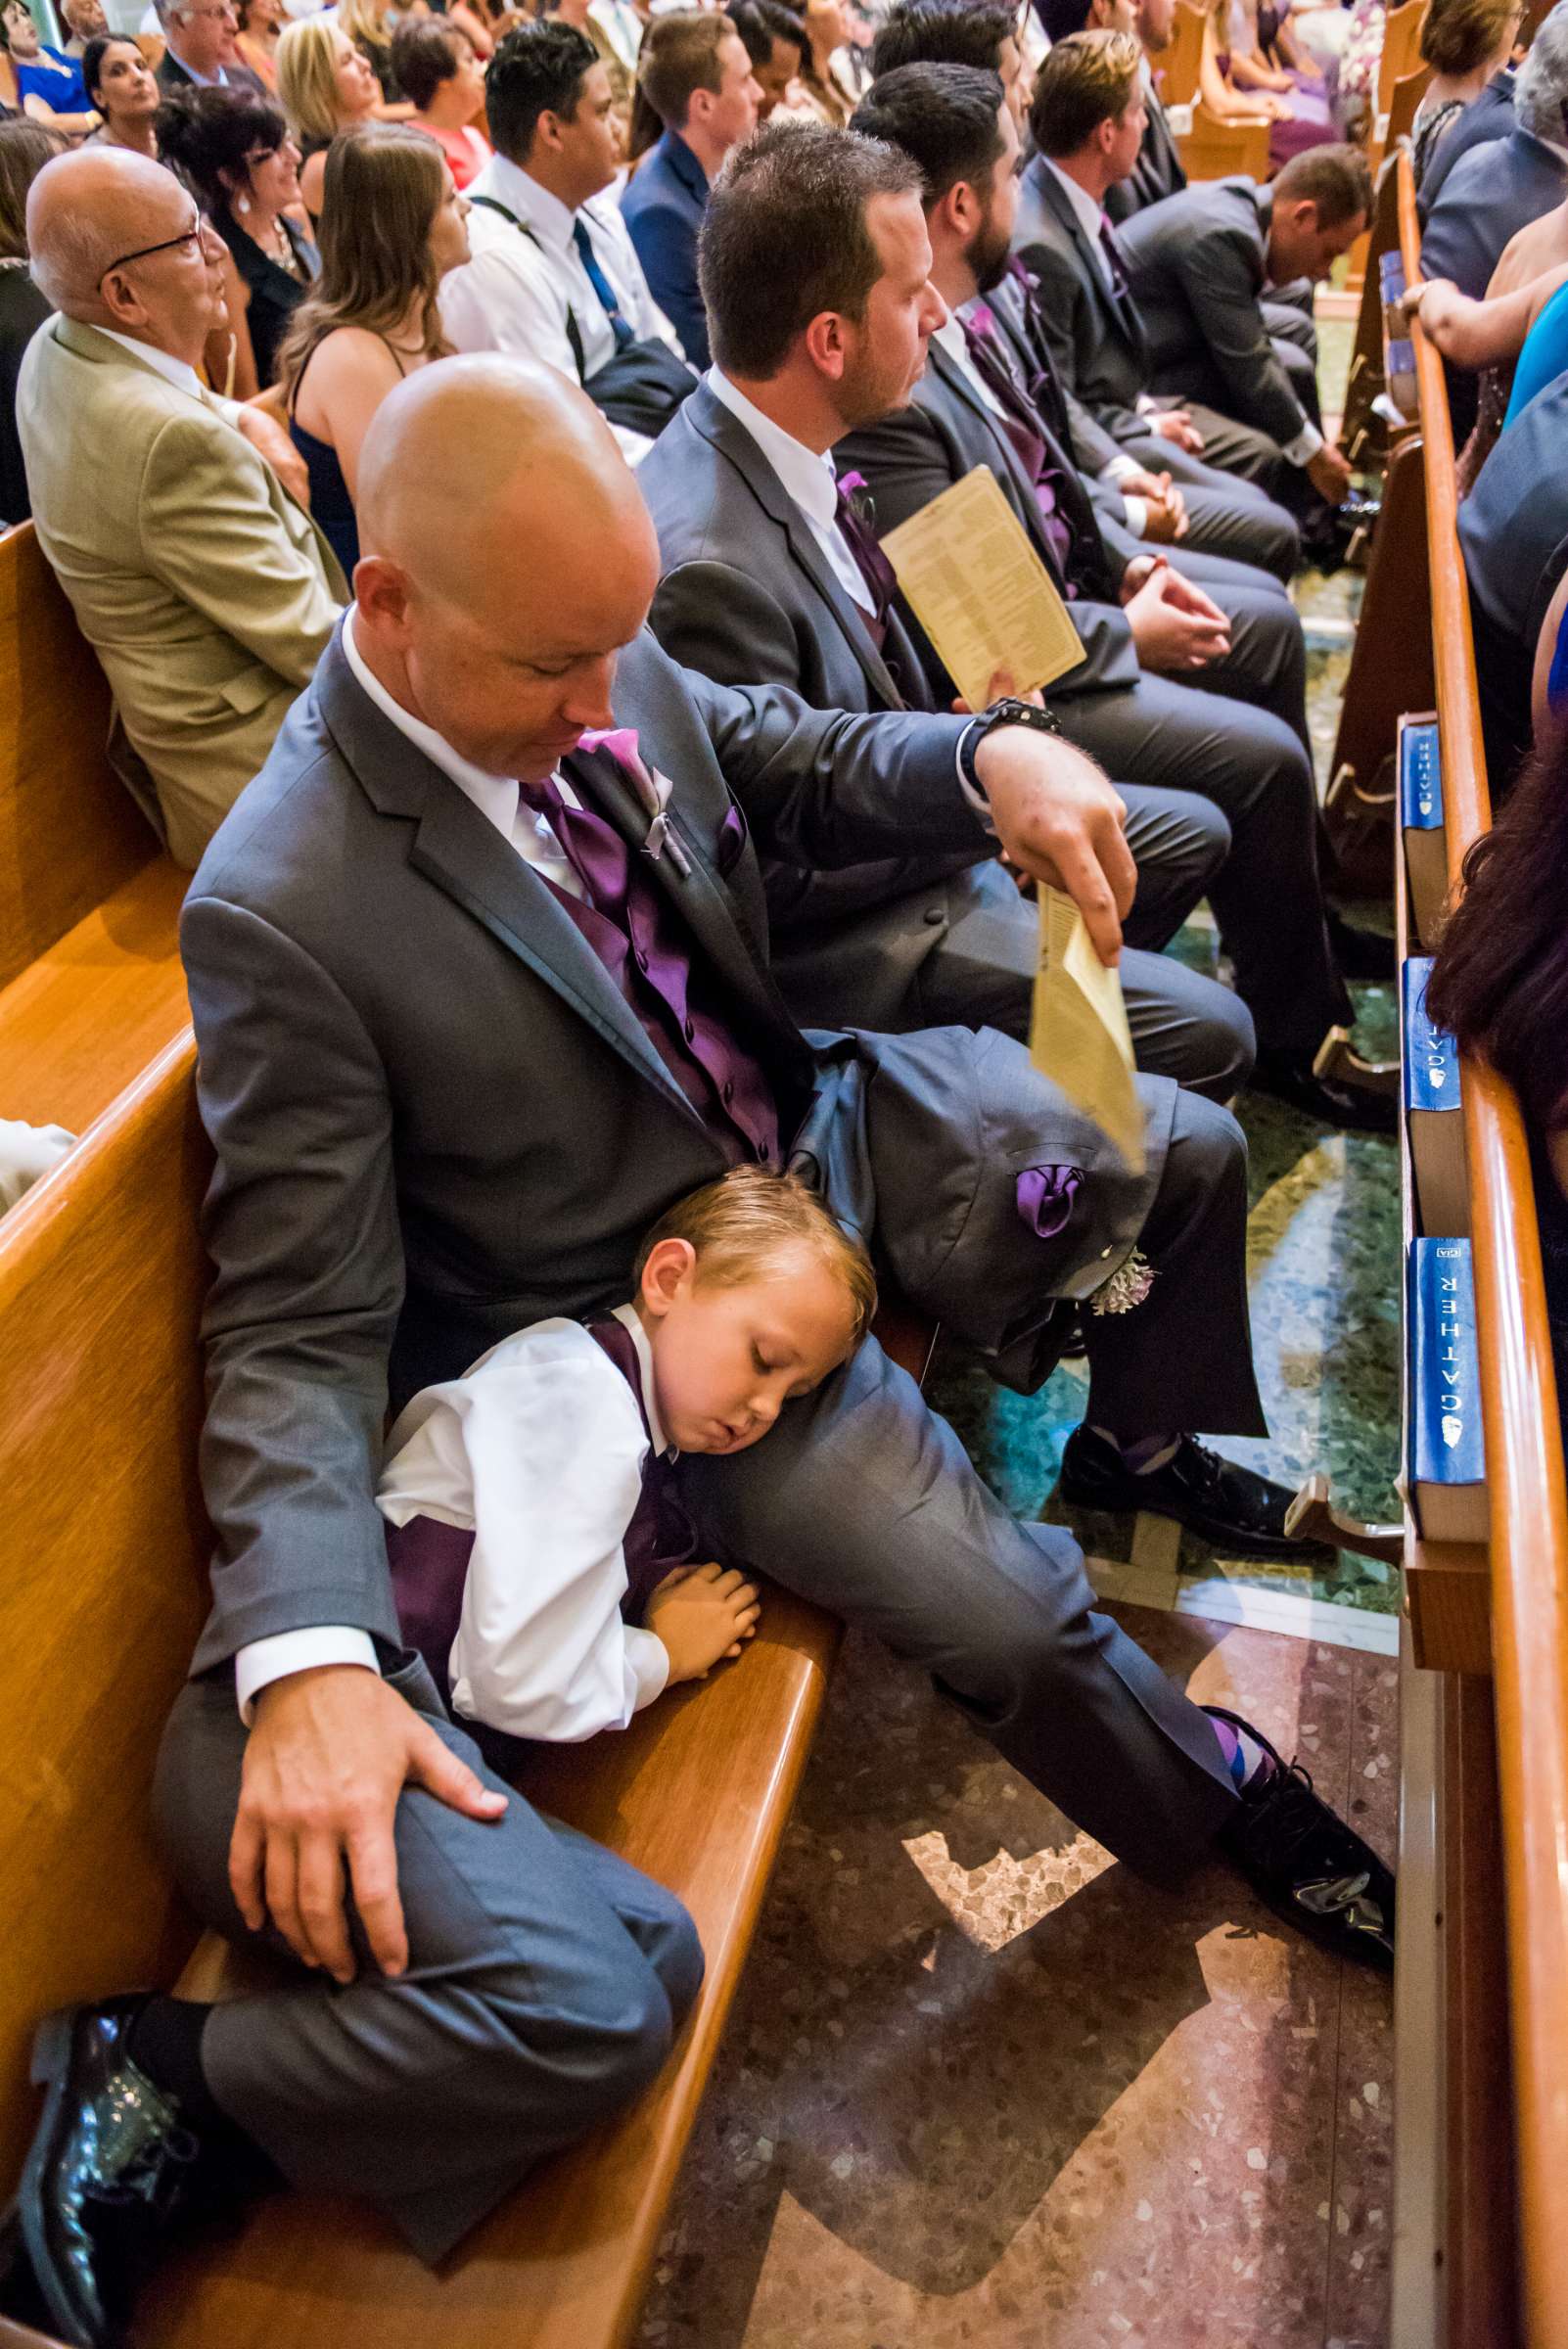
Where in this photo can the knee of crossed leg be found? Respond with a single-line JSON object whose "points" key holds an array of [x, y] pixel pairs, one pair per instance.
{"points": [[608, 2021]]}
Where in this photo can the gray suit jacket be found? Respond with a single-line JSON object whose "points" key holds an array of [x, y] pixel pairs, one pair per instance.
{"points": [[1198, 265], [1100, 353], [747, 599], [435, 1119], [1158, 172], [911, 457]]}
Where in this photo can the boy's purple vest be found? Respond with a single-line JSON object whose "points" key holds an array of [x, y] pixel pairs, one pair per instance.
{"points": [[429, 1560]]}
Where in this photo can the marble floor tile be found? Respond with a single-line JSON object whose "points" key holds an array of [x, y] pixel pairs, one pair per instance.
{"points": [[983, 2087]]}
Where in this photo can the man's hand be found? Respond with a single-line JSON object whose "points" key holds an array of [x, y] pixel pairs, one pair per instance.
{"points": [[1166, 517], [269, 440], [1177, 426], [330, 1751], [1174, 625], [1329, 474], [1058, 819]]}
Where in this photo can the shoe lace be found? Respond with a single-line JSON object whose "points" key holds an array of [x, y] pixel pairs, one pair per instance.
{"points": [[1288, 1815]]}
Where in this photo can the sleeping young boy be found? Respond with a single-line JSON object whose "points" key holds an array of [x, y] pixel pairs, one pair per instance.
{"points": [[540, 1555]]}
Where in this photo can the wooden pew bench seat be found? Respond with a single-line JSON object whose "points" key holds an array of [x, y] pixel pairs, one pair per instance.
{"points": [[102, 1276], [82, 1021]]}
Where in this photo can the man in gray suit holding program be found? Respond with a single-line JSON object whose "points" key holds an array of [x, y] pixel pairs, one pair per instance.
{"points": [[436, 958]]}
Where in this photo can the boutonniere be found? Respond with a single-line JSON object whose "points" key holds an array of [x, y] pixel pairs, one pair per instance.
{"points": [[1126, 1287], [653, 790], [855, 492]]}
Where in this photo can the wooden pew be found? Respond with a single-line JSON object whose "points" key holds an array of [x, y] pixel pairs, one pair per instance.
{"points": [[90, 981], [1497, 2126], [1179, 62], [1363, 435], [1217, 150], [102, 1276]]}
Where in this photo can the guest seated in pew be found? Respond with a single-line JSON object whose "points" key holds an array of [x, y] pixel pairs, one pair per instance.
{"points": [[541, 1559], [1488, 116], [445, 83], [696, 79], [25, 149], [236, 152], [813, 260], [449, 1091], [1466, 43], [393, 228], [555, 275], [1498, 188], [1155, 490], [1159, 170], [325, 85], [84, 20], [49, 84], [123, 88], [1087, 118], [204, 588], [200, 51], [1502, 350], [956, 32], [1178, 690], [775, 42], [1197, 269], [1500, 983], [1514, 536]]}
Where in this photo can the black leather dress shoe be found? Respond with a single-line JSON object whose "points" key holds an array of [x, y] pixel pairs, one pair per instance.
{"points": [[1310, 1867], [1227, 1504], [109, 2173], [1289, 1077]]}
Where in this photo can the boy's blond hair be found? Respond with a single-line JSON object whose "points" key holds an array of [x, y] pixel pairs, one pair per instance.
{"points": [[750, 1214]]}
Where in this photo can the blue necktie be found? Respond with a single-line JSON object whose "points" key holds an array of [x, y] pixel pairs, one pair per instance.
{"points": [[602, 287]]}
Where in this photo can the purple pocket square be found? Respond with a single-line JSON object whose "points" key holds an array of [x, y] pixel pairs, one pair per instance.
{"points": [[731, 842], [1045, 1196]]}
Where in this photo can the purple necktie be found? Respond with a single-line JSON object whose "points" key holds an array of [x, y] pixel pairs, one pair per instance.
{"points": [[1120, 284], [875, 570], [1023, 428], [638, 936]]}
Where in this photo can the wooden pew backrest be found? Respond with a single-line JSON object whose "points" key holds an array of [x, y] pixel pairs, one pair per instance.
{"points": [[70, 832], [1179, 62], [1215, 150], [101, 1280]]}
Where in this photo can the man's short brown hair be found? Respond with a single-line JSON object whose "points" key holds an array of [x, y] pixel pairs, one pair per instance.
{"points": [[784, 238], [679, 55], [1334, 178], [1090, 79], [742, 1224]]}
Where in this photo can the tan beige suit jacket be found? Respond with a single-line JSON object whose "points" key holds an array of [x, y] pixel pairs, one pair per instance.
{"points": [[206, 593]]}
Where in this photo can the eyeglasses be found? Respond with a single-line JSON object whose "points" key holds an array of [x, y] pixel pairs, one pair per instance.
{"points": [[143, 252]]}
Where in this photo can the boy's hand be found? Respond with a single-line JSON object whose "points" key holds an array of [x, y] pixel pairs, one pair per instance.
{"points": [[703, 1614]]}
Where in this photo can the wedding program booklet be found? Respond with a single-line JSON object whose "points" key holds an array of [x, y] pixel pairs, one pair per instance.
{"points": [[980, 591], [1079, 1036]]}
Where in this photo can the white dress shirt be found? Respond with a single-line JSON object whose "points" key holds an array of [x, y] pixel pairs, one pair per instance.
{"points": [[522, 287], [809, 479], [539, 1449], [498, 799], [177, 372]]}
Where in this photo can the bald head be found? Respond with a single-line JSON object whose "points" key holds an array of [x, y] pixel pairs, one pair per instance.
{"points": [[507, 557], [85, 209]]}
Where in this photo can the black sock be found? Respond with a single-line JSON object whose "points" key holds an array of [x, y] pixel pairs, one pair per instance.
{"points": [[165, 2043]]}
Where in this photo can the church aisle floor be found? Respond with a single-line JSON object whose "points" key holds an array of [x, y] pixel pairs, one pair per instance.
{"points": [[982, 2087]]}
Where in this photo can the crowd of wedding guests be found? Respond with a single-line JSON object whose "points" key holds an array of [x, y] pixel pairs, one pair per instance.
{"points": [[438, 350]]}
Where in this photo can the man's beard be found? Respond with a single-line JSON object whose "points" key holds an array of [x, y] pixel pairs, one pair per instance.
{"points": [[985, 258]]}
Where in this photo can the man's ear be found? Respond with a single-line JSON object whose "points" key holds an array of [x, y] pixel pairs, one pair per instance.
{"points": [[381, 593], [825, 345], [957, 213], [121, 301]]}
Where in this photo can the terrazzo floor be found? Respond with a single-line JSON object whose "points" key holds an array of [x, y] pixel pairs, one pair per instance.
{"points": [[980, 2087]]}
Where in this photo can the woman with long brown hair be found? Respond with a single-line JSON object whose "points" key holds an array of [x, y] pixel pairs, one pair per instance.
{"points": [[391, 228]]}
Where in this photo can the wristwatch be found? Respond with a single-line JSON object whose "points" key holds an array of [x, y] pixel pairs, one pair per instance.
{"points": [[1008, 712]]}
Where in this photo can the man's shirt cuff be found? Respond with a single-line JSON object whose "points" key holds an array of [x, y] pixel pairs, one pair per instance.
{"points": [[1117, 469], [1136, 510], [265, 1661]]}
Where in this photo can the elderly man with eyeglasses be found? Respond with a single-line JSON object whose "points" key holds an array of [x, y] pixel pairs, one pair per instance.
{"points": [[199, 37], [169, 515]]}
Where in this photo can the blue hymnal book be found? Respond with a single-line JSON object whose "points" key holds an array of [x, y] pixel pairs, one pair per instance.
{"points": [[1433, 1110], [1426, 847], [1446, 1464]]}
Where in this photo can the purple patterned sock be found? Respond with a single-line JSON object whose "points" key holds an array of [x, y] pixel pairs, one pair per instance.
{"points": [[1244, 1757]]}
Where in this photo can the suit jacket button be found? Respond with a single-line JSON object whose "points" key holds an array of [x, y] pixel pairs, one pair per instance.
{"points": [[934, 915], [728, 1096], [1104, 1253]]}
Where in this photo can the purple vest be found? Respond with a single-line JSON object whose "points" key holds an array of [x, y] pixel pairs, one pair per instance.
{"points": [[429, 1560], [1021, 425]]}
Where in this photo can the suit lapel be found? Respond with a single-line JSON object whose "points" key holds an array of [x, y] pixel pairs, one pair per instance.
{"points": [[1109, 308], [729, 437], [1003, 461]]}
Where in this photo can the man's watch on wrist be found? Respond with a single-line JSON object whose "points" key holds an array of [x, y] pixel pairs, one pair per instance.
{"points": [[1008, 712]]}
